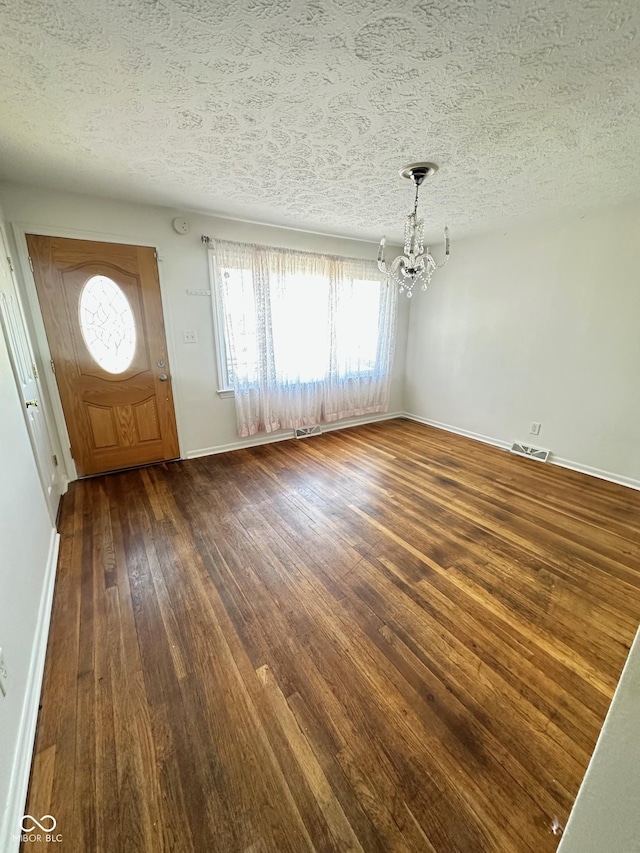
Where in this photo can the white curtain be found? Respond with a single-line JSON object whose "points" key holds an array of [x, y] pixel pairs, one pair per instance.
{"points": [[309, 338]]}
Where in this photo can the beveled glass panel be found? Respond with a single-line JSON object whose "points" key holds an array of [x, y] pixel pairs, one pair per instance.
{"points": [[107, 324]]}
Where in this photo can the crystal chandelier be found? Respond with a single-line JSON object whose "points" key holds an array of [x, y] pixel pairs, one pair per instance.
{"points": [[416, 265]]}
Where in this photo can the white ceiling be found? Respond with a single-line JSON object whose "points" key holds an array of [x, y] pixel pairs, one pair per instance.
{"points": [[301, 114]]}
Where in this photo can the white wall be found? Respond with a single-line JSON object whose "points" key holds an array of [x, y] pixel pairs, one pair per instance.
{"points": [[204, 419], [25, 550], [605, 817], [539, 324]]}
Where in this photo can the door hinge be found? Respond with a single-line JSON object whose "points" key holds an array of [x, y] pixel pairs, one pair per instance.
{"points": [[53, 367], [36, 375], [55, 460], [30, 263], [71, 452], [10, 262]]}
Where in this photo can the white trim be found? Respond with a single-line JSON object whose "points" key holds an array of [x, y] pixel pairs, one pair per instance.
{"points": [[206, 212], [21, 770], [476, 436], [284, 435], [41, 344], [619, 479], [20, 231], [560, 461], [253, 441], [360, 421], [50, 479], [170, 335], [80, 234]]}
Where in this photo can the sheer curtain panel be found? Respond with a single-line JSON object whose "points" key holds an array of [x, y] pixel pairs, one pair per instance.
{"points": [[308, 338]]}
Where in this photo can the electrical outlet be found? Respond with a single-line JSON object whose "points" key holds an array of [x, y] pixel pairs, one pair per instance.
{"points": [[3, 675], [535, 428], [190, 336]]}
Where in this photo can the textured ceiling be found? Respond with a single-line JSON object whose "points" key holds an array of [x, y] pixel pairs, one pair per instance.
{"points": [[301, 113]]}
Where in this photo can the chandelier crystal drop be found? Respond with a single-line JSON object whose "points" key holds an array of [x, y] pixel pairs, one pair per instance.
{"points": [[416, 266]]}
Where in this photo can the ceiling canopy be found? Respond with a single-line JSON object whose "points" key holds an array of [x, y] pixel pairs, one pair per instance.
{"points": [[301, 113]]}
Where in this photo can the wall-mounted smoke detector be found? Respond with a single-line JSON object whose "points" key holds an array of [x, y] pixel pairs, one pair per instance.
{"points": [[529, 451]]}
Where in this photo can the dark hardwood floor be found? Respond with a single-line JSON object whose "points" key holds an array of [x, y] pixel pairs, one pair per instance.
{"points": [[388, 638]]}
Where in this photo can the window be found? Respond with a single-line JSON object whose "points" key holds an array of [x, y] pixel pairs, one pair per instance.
{"points": [[301, 336], [293, 323], [107, 324]]}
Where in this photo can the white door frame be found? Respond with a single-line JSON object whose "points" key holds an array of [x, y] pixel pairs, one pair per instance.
{"points": [[20, 231], [47, 458]]}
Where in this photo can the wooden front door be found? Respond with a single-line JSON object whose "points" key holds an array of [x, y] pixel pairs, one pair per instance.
{"points": [[103, 317]]}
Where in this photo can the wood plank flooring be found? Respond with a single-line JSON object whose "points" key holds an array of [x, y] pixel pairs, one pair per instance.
{"points": [[387, 638]]}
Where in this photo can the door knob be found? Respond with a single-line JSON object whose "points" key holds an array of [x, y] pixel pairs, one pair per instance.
{"points": [[30, 403], [163, 377]]}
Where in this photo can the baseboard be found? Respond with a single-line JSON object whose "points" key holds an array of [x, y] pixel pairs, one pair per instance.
{"points": [[595, 472], [253, 441], [476, 436], [18, 786], [560, 461], [362, 421], [285, 435]]}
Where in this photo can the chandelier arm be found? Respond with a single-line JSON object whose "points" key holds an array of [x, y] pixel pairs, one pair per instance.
{"points": [[382, 264], [447, 249], [397, 263]]}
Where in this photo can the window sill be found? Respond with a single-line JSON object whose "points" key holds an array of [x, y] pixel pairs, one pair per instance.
{"points": [[226, 392]]}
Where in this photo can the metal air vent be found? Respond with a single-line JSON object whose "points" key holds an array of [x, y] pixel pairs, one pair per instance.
{"points": [[529, 451], [305, 432]]}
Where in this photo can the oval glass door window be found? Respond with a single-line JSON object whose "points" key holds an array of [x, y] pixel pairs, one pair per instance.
{"points": [[107, 324]]}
